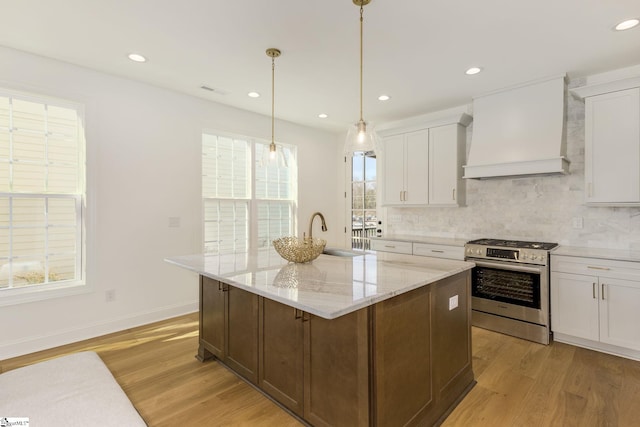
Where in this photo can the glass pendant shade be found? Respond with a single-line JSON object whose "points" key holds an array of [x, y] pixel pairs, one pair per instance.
{"points": [[361, 137]]}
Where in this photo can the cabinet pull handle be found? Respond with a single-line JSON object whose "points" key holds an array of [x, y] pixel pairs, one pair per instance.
{"points": [[297, 314], [594, 290], [390, 246], [437, 251], [453, 194], [222, 287], [598, 268], [603, 292], [590, 189], [305, 316]]}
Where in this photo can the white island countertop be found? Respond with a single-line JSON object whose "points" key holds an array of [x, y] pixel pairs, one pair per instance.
{"points": [[329, 286]]}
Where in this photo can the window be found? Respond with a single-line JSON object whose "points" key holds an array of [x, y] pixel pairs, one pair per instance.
{"points": [[41, 194], [248, 200], [364, 219]]}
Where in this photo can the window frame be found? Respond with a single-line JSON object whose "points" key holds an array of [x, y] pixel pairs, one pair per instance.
{"points": [[77, 285], [253, 203]]}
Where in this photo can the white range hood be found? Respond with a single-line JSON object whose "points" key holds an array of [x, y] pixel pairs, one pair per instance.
{"points": [[519, 131]]}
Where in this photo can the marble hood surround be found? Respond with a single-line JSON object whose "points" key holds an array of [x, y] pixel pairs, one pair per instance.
{"points": [[519, 131]]}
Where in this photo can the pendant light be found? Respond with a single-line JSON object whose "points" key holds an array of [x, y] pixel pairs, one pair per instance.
{"points": [[361, 136], [273, 54]]}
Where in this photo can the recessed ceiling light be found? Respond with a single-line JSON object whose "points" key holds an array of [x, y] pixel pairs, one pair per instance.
{"points": [[254, 95], [136, 57], [323, 115], [628, 24], [384, 98], [473, 70]]}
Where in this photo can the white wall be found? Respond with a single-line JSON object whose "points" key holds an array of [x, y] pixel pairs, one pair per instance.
{"points": [[533, 208], [143, 146]]}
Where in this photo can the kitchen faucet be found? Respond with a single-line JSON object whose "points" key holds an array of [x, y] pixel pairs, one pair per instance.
{"points": [[324, 224]]}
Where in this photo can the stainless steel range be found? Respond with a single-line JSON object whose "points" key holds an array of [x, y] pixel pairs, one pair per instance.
{"points": [[510, 287]]}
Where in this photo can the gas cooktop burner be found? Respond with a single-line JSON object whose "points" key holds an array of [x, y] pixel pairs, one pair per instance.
{"points": [[514, 244]]}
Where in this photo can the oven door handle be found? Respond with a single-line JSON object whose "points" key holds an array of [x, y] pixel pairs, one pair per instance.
{"points": [[506, 266]]}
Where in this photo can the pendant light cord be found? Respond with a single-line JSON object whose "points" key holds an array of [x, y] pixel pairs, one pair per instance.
{"points": [[361, 60], [273, 95]]}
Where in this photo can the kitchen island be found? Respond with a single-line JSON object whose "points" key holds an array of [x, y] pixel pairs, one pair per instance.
{"points": [[376, 339]]}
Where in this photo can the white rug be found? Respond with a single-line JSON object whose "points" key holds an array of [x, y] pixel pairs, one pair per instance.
{"points": [[74, 390]]}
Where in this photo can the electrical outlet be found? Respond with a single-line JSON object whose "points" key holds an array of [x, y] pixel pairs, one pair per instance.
{"points": [[110, 295], [577, 222], [174, 222], [453, 302]]}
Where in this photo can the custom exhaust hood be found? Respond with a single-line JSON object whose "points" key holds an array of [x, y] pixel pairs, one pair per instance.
{"points": [[519, 131]]}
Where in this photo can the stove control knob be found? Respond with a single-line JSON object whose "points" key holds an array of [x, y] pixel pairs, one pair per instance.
{"points": [[534, 257], [478, 251], [525, 255]]}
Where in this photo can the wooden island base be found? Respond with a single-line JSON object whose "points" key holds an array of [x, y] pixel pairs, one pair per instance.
{"points": [[403, 361]]}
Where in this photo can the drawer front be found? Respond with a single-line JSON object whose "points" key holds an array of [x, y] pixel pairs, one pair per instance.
{"points": [[439, 251], [392, 246], [627, 270]]}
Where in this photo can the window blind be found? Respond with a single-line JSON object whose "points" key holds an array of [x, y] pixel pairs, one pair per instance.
{"points": [[247, 199], [41, 168]]}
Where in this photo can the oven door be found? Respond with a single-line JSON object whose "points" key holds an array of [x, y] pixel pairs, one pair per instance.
{"points": [[511, 290]]}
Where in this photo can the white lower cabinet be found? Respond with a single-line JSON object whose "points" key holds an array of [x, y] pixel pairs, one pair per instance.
{"points": [[595, 303], [620, 313], [574, 308], [439, 251], [434, 250], [395, 246]]}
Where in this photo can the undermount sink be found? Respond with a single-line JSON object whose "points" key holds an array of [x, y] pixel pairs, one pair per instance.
{"points": [[341, 252]]}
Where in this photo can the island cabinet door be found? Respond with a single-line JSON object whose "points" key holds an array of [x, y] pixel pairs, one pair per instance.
{"points": [[452, 338], [336, 370], [242, 333], [281, 354], [402, 359], [212, 319]]}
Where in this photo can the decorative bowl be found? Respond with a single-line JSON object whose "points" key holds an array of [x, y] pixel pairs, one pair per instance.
{"points": [[298, 250]]}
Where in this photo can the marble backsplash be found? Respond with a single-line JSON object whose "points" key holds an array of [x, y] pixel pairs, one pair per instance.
{"points": [[540, 208]]}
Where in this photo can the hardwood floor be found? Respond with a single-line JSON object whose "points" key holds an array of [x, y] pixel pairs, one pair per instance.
{"points": [[519, 383]]}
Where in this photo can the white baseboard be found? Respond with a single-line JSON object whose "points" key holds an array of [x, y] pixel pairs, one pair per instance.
{"points": [[597, 346], [57, 338]]}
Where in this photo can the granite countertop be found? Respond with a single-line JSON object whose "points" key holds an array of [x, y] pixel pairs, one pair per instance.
{"points": [[600, 253], [329, 286], [450, 241]]}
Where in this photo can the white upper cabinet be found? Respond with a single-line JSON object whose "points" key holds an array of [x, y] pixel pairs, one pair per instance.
{"points": [[612, 142], [446, 150], [422, 163], [612, 148], [404, 163]]}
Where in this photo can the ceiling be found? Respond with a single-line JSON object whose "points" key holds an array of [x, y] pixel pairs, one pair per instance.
{"points": [[415, 51]]}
